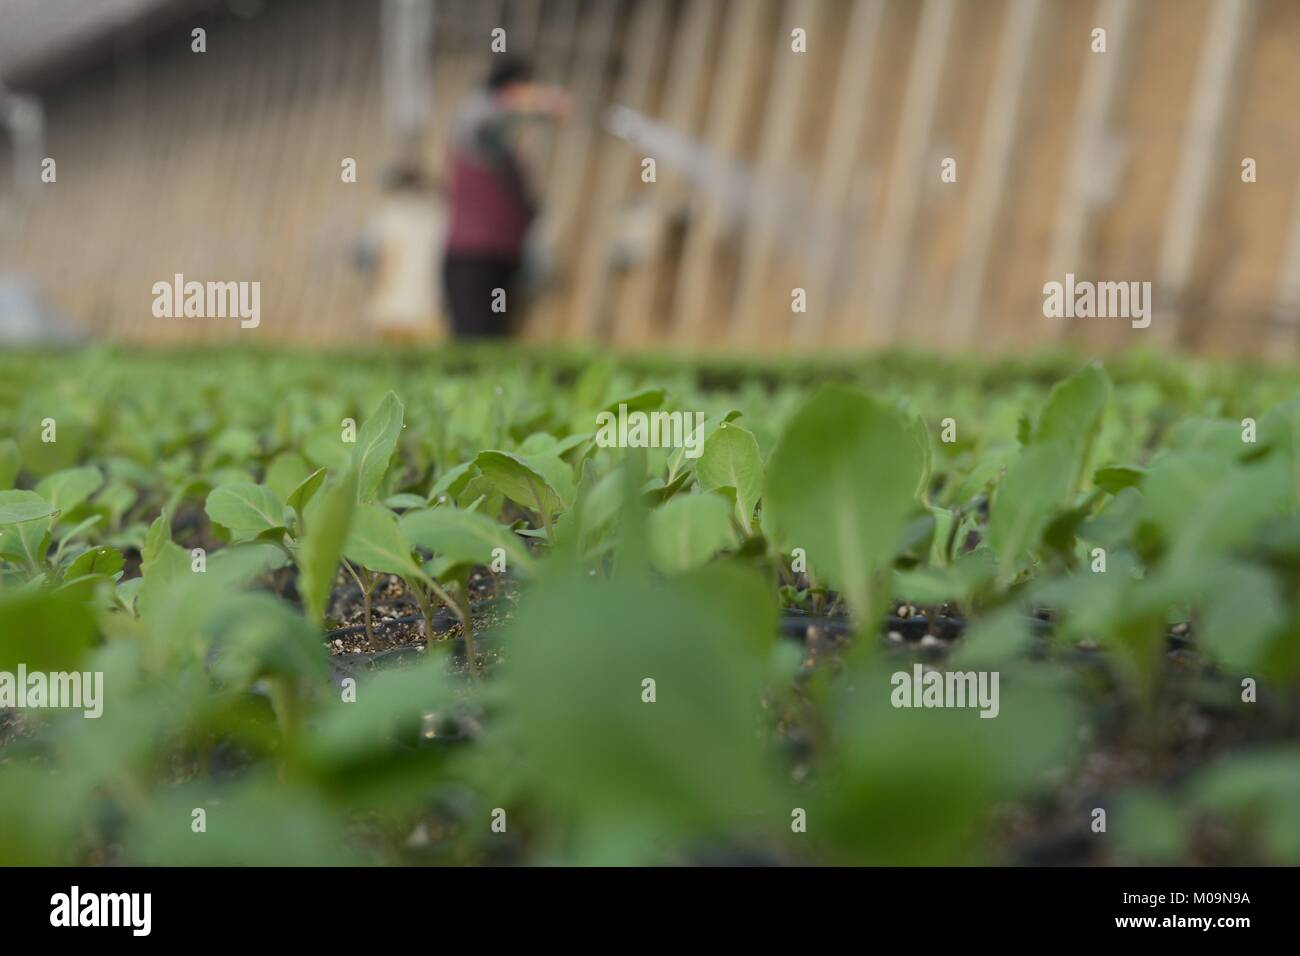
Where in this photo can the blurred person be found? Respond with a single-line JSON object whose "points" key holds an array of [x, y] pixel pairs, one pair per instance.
{"points": [[492, 203]]}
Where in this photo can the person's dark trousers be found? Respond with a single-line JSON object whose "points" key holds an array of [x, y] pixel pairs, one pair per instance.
{"points": [[471, 283]]}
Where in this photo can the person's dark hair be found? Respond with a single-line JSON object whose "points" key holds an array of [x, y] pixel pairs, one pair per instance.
{"points": [[506, 70]]}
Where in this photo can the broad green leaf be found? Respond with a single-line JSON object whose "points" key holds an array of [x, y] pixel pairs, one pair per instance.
{"points": [[376, 542], [156, 539], [451, 482], [286, 472], [1212, 437], [1151, 826], [920, 433], [26, 542], [994, 640], [645, 400], [246, 509], [538, 443], [115, 500], [1115, 478], [386, 714], [1241, 613], [731, 460], [258, 636], [162, 563], [462, 537], [1280, 430], [479, 494], [326, 449], [1114, 524], [677, 458], [1072, 416], [101, 560], [567, 444], [1268, 775], [910, 785], [305, 490], [688, 530], [80, 528], [1028, 497], [1205, 504], [328, 519], [1261, 787], [44, 815], [1074, 407], [841, 484], [558, 474], [269, 822], [404, 501], [931, 584], [22, 506], [706, 640], [376, 442], [1178, 483], [530, 482], [68, 488]]}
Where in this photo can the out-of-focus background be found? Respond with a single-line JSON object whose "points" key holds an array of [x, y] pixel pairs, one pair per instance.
{"points": [[798, 145]]}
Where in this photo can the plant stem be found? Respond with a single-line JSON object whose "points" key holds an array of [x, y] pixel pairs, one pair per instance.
{"points": [[426, 609], [364, 582], [467, 628]]}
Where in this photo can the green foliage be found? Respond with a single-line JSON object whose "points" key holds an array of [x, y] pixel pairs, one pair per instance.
{"points": [[731, 459], [376, 542], [841, 484], [1029, 496], [541, 483], [690, 758], [16, 506], [376, 442], [199, 529], [64, 490], [329, 520], [687, 531], [245, 510], [462, 537]]}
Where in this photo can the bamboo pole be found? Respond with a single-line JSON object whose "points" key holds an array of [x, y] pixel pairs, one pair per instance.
{"points": [[748, 321], [993, 165], [725, 126], [615, 169], [853, 93], [569, 171], [907, 175], [686, 72], [575, 145], [1227, 31], [1285, 337], [1106, 75]]}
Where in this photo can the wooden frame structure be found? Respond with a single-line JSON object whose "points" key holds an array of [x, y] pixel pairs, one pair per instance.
{"points": [[227, 165]]}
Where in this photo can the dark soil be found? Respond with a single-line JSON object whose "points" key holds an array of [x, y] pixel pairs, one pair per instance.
{"points": [[1161, 748]]}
